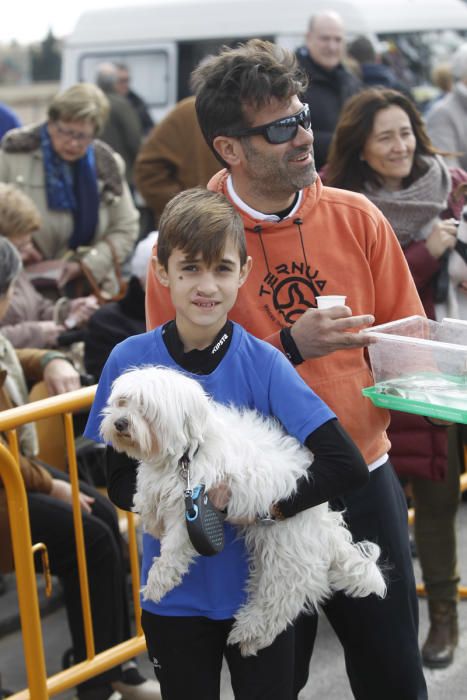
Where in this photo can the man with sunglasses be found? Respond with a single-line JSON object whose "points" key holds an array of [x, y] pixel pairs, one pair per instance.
{"points": [[307, 240]]}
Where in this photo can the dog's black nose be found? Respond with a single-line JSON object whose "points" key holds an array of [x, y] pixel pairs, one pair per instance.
{"points": [[121, 424]]}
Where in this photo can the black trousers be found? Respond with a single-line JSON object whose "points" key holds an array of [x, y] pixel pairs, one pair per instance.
{"points": [[187, 655], [52, 523], [379, 637]]}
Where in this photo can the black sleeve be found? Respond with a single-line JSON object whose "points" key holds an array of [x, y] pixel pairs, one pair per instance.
{"points": [[121, 478], [338, 466]]}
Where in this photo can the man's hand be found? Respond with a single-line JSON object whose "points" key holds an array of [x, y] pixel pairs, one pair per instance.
{"points": [[60, 376], [319, 332], [62, 491]]}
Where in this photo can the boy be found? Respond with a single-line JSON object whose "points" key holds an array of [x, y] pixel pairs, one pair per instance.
{"points": [[202, 260]]}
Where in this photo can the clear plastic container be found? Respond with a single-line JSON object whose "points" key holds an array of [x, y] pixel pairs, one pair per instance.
{"points": [[420, 366]]}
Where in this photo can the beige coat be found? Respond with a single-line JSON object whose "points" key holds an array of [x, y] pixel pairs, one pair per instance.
{"points": [[12, 392], [21, 164]]}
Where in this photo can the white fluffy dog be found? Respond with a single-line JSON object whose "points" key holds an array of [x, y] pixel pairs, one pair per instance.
{"points": [[157, 415]]}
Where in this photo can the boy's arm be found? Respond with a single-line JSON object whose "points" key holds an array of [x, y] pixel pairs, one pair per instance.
{"points": [[121, 478], [338, 466]]}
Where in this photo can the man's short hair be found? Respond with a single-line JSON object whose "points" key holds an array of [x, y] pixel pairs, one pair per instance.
{"points": [[107, 76], [362, 50], [18, 213], [249, 75], [200, 222]]}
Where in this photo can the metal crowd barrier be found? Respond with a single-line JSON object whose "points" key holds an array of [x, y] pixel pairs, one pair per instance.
{"points": [[40, 686]]}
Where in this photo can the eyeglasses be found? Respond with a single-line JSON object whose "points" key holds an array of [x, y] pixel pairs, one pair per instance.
{"points": [[70, 135], [281, 130]]}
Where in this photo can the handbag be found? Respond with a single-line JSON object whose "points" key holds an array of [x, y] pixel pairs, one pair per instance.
{"points": [[102, 296]]}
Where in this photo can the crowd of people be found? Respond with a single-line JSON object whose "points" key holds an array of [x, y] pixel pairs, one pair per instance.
{"points": [[285, 176]]}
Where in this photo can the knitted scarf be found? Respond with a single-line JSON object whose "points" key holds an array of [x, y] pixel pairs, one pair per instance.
{"points": [[72, 187], [412, 210]]}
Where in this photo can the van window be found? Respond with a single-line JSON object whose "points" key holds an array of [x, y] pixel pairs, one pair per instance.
{"points": [[148, 71], [190, 53]]}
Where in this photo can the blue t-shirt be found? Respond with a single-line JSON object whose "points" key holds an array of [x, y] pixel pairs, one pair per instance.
{"points": [[252, 374]]}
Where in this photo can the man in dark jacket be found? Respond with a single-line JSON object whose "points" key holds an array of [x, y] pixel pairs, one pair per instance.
{"points": [[374, 72], [123, 88], [330, 83], [122, 129]]}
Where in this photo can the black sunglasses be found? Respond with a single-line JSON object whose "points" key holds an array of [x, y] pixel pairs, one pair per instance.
{"points": [[281, 130]]}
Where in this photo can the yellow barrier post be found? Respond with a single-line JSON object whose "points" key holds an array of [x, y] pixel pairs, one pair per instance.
{"points": [[25, 574]]}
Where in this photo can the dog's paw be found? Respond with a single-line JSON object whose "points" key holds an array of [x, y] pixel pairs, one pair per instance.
{"points": [[151, 592], [160, 581], [155, 589], [246, 638]]}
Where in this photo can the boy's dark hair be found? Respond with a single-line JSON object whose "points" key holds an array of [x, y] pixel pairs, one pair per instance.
{"points": [[200, 222], [246, 76]]}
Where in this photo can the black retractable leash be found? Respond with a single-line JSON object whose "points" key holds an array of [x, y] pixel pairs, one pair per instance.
{"points": [[204, 522]]}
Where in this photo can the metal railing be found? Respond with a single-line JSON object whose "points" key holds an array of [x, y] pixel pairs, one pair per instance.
{"points": [[40, 686]]}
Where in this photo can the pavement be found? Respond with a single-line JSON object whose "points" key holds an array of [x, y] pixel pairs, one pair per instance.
{"points": [[327, 673]]}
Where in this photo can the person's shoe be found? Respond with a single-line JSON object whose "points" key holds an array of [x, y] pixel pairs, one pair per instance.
{"points": [[133, 686], [443, 636]]}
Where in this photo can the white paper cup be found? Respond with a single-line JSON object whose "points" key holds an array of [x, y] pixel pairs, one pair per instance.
{"points": [[326, 301]]}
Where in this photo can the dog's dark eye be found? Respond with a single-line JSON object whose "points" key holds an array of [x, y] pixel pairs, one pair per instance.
{"points": [[121, 403]]}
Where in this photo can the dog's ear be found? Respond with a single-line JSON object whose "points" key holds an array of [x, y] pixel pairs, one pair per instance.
{"points": [[194, 429]]}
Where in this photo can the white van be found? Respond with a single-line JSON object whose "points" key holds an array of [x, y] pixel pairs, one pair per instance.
{"points": [[161, 42]]}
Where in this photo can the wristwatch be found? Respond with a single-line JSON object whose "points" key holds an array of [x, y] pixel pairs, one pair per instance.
{"points": [[265, 520]]}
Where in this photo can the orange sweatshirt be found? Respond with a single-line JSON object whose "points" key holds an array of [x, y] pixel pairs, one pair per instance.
{"points": [[337, 242]]}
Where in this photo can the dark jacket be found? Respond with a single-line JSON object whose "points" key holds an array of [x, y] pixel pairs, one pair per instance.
{"points": [[327, 92], [418, 447], [111, 324], [123, 131], [141, 110], [379, 75]]}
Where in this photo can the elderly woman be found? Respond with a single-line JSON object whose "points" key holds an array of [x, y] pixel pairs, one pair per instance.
{"points": [[78, 184], [31, 319], [381, 148], [51, 516]]}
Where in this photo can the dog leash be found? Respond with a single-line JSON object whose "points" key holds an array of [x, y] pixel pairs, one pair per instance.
{"points": [[204, 522]]}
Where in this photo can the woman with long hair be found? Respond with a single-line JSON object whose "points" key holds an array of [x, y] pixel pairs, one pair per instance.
{"points": [[381, 149]]}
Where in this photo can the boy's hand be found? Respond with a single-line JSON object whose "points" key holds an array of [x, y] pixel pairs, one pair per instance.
{"points": [[319, 332], [220, 496]]}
